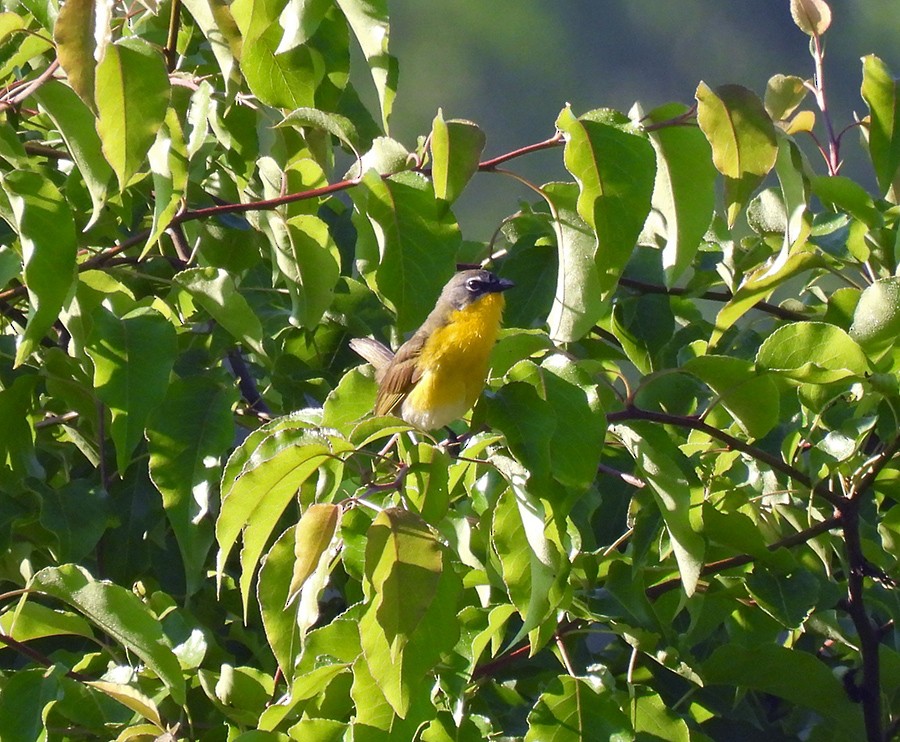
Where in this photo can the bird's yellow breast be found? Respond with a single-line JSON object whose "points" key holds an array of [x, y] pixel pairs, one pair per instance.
{"points": [[453, 364]]}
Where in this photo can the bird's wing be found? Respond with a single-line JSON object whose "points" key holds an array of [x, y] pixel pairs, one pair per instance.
{"points": [[378, 354], [399, 375]]}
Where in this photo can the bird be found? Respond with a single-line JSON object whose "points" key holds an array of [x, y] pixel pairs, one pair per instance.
{"points": [[437, 375]]}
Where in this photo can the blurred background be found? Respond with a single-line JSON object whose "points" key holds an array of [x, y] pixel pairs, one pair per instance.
{"points": [[511, 65]]}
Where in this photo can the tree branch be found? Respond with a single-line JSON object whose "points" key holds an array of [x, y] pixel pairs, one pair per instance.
{"points": [[714, 568], [693, 423], [723, 296]]}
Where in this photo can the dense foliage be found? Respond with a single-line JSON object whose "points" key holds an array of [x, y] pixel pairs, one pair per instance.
{"points": [[673, 515]]}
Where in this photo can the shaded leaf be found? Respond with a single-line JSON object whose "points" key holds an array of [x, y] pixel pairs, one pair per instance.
{"points": [[456, 148], [119, 613], [47, 233]]}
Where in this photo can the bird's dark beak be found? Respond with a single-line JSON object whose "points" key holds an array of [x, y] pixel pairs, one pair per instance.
{"points": [[502, 284]]}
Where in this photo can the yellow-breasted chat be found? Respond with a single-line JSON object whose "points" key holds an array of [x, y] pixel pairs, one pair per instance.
{"points": [[437, 375]]}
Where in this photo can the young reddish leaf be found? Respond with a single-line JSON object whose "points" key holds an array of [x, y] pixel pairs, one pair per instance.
{"points": [[813, 17]]}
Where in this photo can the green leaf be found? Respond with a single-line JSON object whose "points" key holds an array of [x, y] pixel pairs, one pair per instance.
{"points": [[813, 353], [47, 233], [615, 166], [398, 671], [684, 192], [17, 434], [456, 148], [353, 397], [403, 565], [813, 17], [789, 599], [76, 125], [286, 626], [76, 515], [32, 620], [416, 245], [880, 92], [742, 137], [574, 709], [759, 285], [282, 80], [81, 33], [252, 505], [335, 124], [531, 562], [662, 466], [776, 670], [751, 398], [528, 423], [131, 699], [188, 435], [843, 194], [580, 428], [168, 160], [577, 303], [27, 698], [214, 290], [315, 532], [313, 267], [132, 94], [876, 317], [120, 614], [133, 359], [369, 21], [215, 21], [784, 93], [300, 19]]}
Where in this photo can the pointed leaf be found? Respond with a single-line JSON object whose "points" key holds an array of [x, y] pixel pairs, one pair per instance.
{"points": [[81, 33], [881, 92], [76, 125], [456, 148], [574, 709], [416, 244], [615, 166], [214, 290], [657, 458], [369, 21], [188, 436], [133, 358], [684, 192], [168, 160], [812, 352], [47, 233], [132, 94], [120, 614]]}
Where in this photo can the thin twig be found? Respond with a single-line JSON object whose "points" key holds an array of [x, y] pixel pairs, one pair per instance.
{"points": [[713, 568], [723, 296], [693, 423], [36, 656]]}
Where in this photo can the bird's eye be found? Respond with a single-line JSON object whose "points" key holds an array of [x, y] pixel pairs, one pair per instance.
{"points": [[473, 285]]}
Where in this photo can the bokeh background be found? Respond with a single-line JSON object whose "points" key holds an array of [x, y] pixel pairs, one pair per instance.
{"points": [[511, 65]]}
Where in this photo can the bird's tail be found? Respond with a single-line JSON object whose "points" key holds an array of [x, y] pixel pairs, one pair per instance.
{"points": [[378, 354]]}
